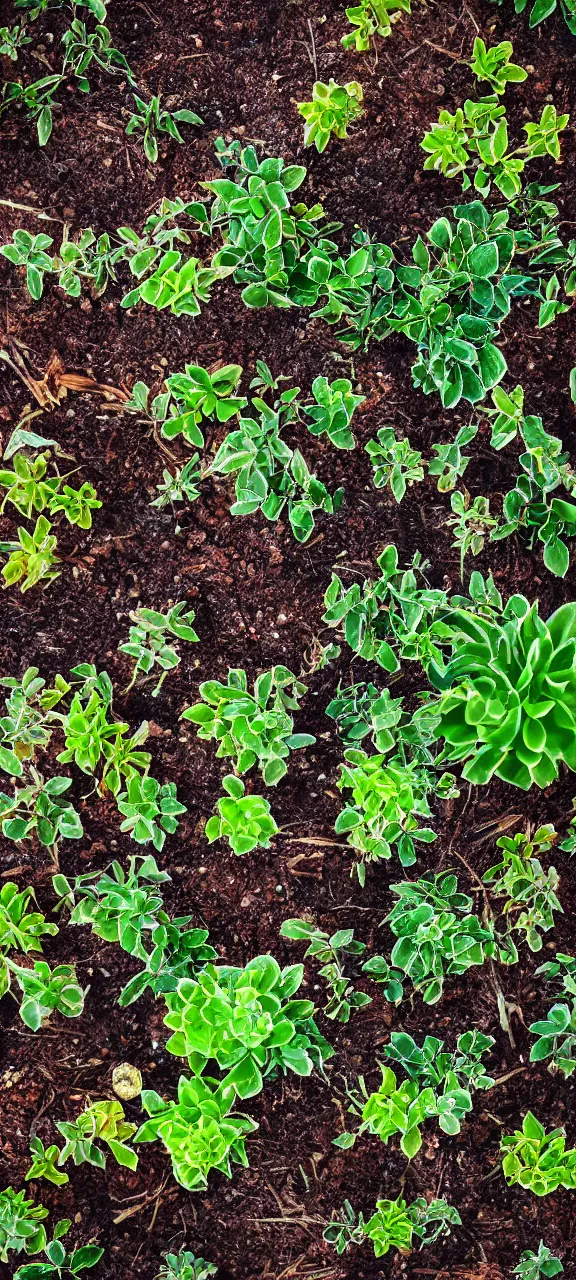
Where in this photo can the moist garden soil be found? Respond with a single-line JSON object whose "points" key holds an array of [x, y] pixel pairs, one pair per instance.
{"points": [[258, 597]]}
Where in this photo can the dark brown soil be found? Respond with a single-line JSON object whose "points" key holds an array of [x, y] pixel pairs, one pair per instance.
{"points": [[258, 600]]}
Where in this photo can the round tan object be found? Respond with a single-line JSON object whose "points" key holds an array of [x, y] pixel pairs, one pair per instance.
{"points": [[126, 1081]]}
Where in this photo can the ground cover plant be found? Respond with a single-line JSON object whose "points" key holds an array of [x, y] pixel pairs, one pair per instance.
{"points": [[287, 518]]}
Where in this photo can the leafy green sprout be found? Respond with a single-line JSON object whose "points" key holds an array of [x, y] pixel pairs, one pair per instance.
{"points": [[150, 119], [395, 462], [185, 1266], [530, 891], [332, 109], [40, 809], [252, 728], [532, 1266], [450, 463], [244, 820], [100, 1122], [200, 1131], [470, 524], [542, 9], [494, 65], [45, 1163], [536, 1160], [21, 1224], [331, 953], [372, 18], [31, 560], [149, 640], [393, 1225], [45, 990]]}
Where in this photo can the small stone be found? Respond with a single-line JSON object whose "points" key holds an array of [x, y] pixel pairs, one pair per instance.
{"points": [[126, 1081]]}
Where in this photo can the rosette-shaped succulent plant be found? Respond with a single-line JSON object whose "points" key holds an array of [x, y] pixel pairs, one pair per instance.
{"points": [[508, 702], [245, 1020]]}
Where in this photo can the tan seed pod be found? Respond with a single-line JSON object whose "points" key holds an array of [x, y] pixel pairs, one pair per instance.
{"points": [[126, 1081]]}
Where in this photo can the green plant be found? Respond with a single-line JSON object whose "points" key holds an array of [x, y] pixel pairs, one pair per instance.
{"points": [[394, 462], [332, 414], [541, 9], [200, 1131], [270, 474], [200, 394], [534, 1265], [44, 1163], [392, 1225], [40, 809], [25, 726], [180, 487], [507, 693], [333, 107], [557, 1032], [149, 120], [245, 821], [175, 284], [331, 952], [439, 1084], [20, 929], [247, 1021], [529, 890], [20, 1224], [363, 709], [100, 1122], [537, 1160], [528, 507], [185, 1266], [60, 1262], [150, 810], [127, 908], [372, 18], [437, 935], [450, 463], [77, 504], [494, 65], [252, 728], [11, 40], [389, 799], [83, 48], [148, 640], [37, 100], [45, 989], [32, 557], [470, 524]]}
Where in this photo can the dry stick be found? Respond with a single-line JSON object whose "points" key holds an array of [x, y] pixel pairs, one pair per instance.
{"points": [[314, 58], [28, 208], [501, 1000]]}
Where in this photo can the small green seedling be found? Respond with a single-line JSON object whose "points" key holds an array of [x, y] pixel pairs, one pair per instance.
{"points": [[332, 109], [148, 640], [149, 120], [245, 821]]}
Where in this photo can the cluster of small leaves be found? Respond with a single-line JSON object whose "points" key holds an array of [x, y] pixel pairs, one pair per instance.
{"points": [[247, 1022], [437, 935], [393, 1225], [532, 1266], [557, 1032], [541, 9], [201, 1131], [100, 1122], [252, 728], [40, 809], [333, 107], [372, 18], [31, 558], [536, 1160], [473, 142], [331, 952], [389, 800], [530, 891], [244, 820], [43, 990], [439, 1085], [149, 637], [528, 508], [127, 908], [150, 120], [400, 466], [185, 1266]]}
